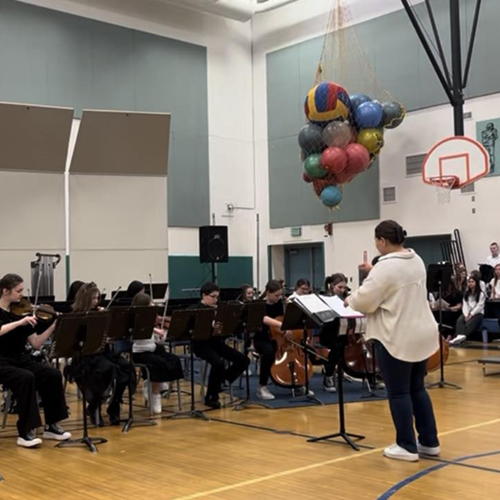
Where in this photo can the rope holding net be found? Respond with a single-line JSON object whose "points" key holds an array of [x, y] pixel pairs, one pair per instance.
{"points": [[444, 185]]}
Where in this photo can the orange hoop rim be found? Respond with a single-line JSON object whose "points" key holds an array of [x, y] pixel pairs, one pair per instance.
{"points": [[445, 181]]}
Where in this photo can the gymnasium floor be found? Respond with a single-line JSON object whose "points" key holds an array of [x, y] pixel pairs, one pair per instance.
{"points": [[190, 459]]}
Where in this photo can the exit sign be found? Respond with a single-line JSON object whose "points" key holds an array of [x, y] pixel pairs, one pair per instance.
{"points": [[296, 231]]}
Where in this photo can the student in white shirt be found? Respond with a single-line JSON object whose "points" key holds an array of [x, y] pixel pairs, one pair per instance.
{"points": [[162, 365], [495, 284], [399, 319], [472, 311], [494, 258]]}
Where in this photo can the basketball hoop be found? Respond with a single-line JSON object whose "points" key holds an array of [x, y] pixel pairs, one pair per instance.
{"points": [[444, 186]]}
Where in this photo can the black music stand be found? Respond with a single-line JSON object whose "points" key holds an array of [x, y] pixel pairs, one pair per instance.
{"points": [[296, 319], [192, 325], [132, 323], [78, 335], [439, 278], [252, 319]]}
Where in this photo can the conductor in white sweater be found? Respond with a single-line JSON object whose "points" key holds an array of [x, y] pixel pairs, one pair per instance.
{"points": [[400, 321]]}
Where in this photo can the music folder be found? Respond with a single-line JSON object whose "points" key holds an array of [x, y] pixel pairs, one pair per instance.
{"points": [[325, 309]]}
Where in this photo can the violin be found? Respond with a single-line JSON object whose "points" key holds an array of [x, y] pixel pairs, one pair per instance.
{"points": [[24, 307], [289, 369]]}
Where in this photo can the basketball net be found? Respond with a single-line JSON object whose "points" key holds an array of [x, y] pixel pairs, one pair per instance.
{"points": [[444, 185]]}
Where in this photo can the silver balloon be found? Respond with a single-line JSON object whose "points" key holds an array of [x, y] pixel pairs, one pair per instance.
{"points": [[338, 134]]}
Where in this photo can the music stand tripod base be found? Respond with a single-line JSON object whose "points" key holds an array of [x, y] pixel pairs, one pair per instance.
{"points": [[249, 403], [189, 414], [142, 423], [344, 435], [89, 442]]}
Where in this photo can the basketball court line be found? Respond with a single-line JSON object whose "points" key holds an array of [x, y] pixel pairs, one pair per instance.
{"points": [[444, 463], [317, 465]]}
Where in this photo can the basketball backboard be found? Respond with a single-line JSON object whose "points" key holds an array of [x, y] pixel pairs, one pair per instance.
{"points": [[461, 159]]}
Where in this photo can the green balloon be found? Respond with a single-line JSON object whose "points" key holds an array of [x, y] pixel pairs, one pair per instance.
{"points": [[313, 167]]}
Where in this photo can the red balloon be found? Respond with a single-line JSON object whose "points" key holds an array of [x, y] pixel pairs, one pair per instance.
{"points": [[334, 159], [306, 178], [358, 158], [344, 177], [320, 184]]}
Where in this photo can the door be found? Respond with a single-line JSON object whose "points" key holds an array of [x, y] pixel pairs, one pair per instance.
{"points": [[305, 261]]}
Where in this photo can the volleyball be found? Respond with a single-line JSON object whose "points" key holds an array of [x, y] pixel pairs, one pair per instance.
{"points": [[326, 102]]}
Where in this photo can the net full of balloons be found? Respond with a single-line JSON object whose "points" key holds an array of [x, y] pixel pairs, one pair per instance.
{"points": [[343, 136]]}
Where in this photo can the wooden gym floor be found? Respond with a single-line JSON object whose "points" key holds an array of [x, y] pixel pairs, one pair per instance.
{"points": [[191, 459]]}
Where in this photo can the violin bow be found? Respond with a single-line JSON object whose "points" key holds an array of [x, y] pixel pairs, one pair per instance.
{"points": [[113, 298], [151, 286]]}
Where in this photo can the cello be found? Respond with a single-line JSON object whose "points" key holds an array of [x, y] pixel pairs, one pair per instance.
{"points": [[289, 369]]}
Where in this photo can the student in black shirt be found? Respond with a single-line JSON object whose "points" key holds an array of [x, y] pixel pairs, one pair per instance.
{"points": [[263, 343], [25, 377], [215, 351]]}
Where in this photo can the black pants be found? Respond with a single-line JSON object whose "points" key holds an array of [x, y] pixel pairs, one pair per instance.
{"points": [[331, 341], [267, 351], [467, 328], [163, 366], [408, 400], [215, 352], [25, 378]]}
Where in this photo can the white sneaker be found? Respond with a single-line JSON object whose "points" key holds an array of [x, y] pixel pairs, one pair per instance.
{"points": [[156, 403], [264, 393], [29, 440], [431, 451], [302, 391], [458, 340], [395, 451], [329, 384], [164, 387]]}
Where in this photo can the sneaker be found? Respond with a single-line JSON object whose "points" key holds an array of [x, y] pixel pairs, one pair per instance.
{"points": [[458, 340], [395, 451], [431, 451], [329, 384], [264, 393], [213, 403], [56, 432], [156, 403], [29, 440], [302, 391]]}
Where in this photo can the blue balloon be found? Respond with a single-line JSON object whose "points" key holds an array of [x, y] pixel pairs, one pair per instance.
{"points": [[369, 115], [358, 99], [331, 196]]}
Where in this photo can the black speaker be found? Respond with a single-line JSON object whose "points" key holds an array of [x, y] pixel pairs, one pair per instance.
{"points": [[213, 244]]}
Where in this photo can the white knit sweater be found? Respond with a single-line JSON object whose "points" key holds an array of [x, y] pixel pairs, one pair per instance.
{"points": [[394, 298]]}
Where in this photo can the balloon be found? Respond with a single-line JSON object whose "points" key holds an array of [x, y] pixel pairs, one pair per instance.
{"points": [[320, 184], [331, 196], [372, 139], [327, 101], [337, 134], [393, 114], [358, 99], [306, 178], [358, 159], [334, 160], [311, 139], [344, 177], [369, 114], [313, 167]]}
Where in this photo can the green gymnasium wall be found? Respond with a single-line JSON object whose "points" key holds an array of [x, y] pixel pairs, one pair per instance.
{"points": [[401, 66], [187, 272], [51, 58]]}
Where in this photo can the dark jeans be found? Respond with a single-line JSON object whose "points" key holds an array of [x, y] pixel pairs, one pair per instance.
{"points": [[468, 327], [215, 352], [25, 378], [267, 351], [408, 400]]}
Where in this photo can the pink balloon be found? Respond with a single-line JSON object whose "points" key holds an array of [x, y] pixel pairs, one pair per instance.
{"points": [[344, 177], [334, 160], [358, 158]]}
